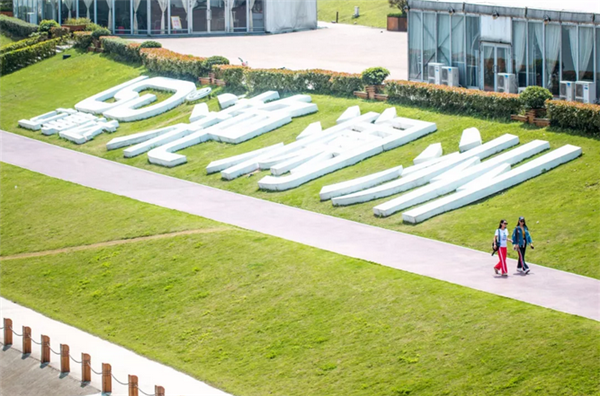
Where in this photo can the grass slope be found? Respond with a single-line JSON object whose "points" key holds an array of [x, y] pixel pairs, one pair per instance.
{"points": [[561, 206], [4, 39], [40, 213], [255, 315], [372, 12]]}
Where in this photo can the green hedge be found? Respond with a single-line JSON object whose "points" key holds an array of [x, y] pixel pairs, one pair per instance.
{"points": [[15, 60], [573, 115], [16, 27], [82, 39], [20, 44], [289, 81], [462, 100], [166, 62], [124, 49]]}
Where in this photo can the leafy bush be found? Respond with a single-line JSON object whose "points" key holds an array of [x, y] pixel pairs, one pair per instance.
{"points": [[57, 32], [374, 75], [96, 34], [77, 21], [16, 27], [20, 44], [47, 24], [399, 4], [124, 49], [397, 14], [215, 60], [82, 39], [345, 84], [231, 74], [151, 44], [574, 115], [15, 60], [534, 97], [163, 61], [462, 100], [92, 27]]}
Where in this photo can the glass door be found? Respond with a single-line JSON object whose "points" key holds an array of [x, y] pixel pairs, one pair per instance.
{"points": [[495, 59], [200, 17], [216, 15]]}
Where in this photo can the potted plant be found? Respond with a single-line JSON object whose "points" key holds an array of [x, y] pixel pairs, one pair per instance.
{"points": [[397, 21], [373, 79], [534, 98], [76, 24]]}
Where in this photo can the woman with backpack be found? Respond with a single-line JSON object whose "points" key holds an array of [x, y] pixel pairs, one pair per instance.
{"points": [[499, 244], [520, 239]]}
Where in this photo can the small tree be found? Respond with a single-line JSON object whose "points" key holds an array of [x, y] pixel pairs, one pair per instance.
{"points": [[374, 75], [534, 97], [399, 4]]}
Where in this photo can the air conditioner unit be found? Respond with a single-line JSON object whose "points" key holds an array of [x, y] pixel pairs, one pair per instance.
{"points": [[567, 90], [450, 76], [434, 73], [585, 91], [506, 82]]}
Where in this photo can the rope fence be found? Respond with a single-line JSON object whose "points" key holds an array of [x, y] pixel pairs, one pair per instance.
{"points": [[66, 357]]}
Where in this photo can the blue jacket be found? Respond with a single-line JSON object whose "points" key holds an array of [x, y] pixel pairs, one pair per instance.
{"points": [[519, 239]]}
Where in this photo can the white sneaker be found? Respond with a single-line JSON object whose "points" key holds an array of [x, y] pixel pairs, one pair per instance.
{"points": [[519, 270]]}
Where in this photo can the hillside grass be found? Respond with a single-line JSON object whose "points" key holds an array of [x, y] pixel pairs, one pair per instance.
{"points": [[4, 39], [372, 12], [254, 315], [561, 206]]}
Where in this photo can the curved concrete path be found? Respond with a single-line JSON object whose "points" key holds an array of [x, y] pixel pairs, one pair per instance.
{"points": [[546, 287]]}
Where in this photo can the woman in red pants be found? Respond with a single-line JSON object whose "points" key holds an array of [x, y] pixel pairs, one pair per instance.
{"points": [[500, 241]]}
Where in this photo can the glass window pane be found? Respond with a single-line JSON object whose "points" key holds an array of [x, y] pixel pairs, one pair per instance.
{"points": [[199, 12], [238, 16], [86, 9], [472, 51], [122, 17], [458, 46], [217, 16], [519, 52], [104, 16], [552, 58], [586, 53], [257, 23], [68, 10], [569, 53], [443, 38], [178, 16], [535, 53], [158, 16], [597, 63], [140, 16], [429, 40], [414, 46]]}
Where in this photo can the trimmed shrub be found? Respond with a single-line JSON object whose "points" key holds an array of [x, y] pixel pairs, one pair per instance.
{"points": [[534, 97], [161, 60], [462, 100], [96, 34], [47, 24], [397, 14], [82, 39], [574, 115], [374, 75], [92, 27], [20, 44], [16, 27], [233, 75], [15, 60], [344, 84], [77, 21], [215, 60], [57, 32], [259, 80], [124, 49], [151, 44]]}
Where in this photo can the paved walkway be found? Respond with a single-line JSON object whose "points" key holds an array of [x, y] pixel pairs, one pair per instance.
{"points": [[25, 376], [337, 47], [558, 290], [123, 362]]}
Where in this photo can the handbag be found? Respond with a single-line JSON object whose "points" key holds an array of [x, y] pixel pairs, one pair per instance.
{"points": [[495, 249]]}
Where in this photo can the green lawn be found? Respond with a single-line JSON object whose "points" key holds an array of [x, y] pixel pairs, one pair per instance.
{"points": [[561, 206], [256, 315], [372, 12], [4, 39]]}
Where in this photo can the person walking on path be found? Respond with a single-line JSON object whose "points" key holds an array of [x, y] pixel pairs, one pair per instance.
{"points": [[520, 239], [500, 241]]}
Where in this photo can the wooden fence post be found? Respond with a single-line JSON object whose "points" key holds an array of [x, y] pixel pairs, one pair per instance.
{"points": [[65, 366], [45, 349], [106, 378], [86, 368], [159, 390], [8, 339], [26, 340], [133, 385]]}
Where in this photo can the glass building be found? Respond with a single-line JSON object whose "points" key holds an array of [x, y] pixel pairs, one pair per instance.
{"points": [[177, 17], [539, 46]]}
